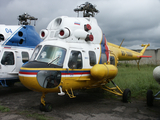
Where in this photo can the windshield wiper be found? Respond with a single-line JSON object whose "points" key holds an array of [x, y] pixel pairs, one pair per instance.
{"points": [[53, 60]]}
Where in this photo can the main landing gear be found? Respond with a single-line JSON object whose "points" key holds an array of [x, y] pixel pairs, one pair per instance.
{"points": [[126, 95], [151, 97]]}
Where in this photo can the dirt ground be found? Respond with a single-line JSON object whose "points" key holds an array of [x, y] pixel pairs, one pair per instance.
{"points": [[24, 105]]}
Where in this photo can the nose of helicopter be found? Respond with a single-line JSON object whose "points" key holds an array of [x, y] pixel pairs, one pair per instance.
{"points": [[29, 81], [40, 80]]}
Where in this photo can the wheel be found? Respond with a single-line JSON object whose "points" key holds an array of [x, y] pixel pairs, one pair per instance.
{"points": [[127, 96], [42, 107], [48, 107], [150, 98]]}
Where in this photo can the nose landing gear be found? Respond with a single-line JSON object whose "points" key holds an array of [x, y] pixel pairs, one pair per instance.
{"points": [[47, 107]]}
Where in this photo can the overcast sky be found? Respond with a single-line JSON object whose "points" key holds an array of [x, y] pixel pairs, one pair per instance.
{"points": [[136, 21]]}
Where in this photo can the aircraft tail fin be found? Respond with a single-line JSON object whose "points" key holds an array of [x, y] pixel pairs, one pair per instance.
{"points": [[142, 52], [144, 49]]}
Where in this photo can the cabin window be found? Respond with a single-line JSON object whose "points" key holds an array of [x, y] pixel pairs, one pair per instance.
{"points": [[8, 58], [92, 58], [25, 57], [75, 60], [104, 58], [1, 37], [36, 51], [112, 60], [52, 55]]}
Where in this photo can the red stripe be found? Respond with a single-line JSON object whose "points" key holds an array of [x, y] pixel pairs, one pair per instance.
{"points": [[7, 47], [28, 73], [143, 56], [107, 49]]}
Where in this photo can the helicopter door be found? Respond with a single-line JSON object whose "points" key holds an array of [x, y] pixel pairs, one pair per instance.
{"points": [[8, 61], [75, 60], [75, 65]]}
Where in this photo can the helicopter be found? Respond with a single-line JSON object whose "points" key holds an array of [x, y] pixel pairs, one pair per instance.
{"points": [[73, 55], [17, 43], [150, 97]]}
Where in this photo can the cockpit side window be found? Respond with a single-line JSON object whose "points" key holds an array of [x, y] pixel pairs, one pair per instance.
{"points": [[25, 57], [8, 58], [75, 60], [36, 51], [1, 37], [112, 60], [92, 58]]}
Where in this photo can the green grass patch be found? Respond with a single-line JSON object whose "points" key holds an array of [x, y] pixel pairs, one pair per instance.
{"points": [[4, 109], [35, 115], [138, 81]]}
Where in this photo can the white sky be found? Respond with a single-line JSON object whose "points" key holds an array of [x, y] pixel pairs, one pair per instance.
{"points": [[136, 21]]}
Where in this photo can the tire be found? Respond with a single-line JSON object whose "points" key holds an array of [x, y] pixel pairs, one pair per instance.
{"points": [[150, 98], [127, 96], [48, 107], [42, 107]]}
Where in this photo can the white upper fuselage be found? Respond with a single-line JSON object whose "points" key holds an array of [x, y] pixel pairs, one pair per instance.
{"points": [[75, 26], [70, 33]]}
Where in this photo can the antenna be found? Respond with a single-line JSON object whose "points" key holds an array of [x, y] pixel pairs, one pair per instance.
{"points": [[121, 43], [88, 9], [25, 19]]}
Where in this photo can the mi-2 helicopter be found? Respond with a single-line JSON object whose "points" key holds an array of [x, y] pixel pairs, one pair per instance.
{"points": [[75, 55], [17, 43]]}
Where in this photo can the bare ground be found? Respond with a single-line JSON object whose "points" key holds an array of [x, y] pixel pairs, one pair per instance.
{"points": [[24, 105]]}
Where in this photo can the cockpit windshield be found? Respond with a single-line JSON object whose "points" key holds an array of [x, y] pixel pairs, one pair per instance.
{"points": [[35, 53], [52, 55]]}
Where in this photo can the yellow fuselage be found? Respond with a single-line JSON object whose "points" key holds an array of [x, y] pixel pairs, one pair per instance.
{"points": [[70, 78]]}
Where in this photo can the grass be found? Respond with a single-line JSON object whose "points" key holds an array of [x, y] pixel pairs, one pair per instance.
{"points": [[4, 109], [138, 81], [35, 115]]}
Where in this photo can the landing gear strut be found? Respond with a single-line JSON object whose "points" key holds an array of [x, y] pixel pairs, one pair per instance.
{"points": [[47, 107]]}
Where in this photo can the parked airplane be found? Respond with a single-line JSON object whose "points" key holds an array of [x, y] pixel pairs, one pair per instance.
{"points": [[74, 55], [17, 43]]}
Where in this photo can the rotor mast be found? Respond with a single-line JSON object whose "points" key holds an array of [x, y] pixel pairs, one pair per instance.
{"points": [[25, 19], [88, 9]]}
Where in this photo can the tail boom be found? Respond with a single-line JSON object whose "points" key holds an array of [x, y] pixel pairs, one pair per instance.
{"points": [[127, 54]]}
